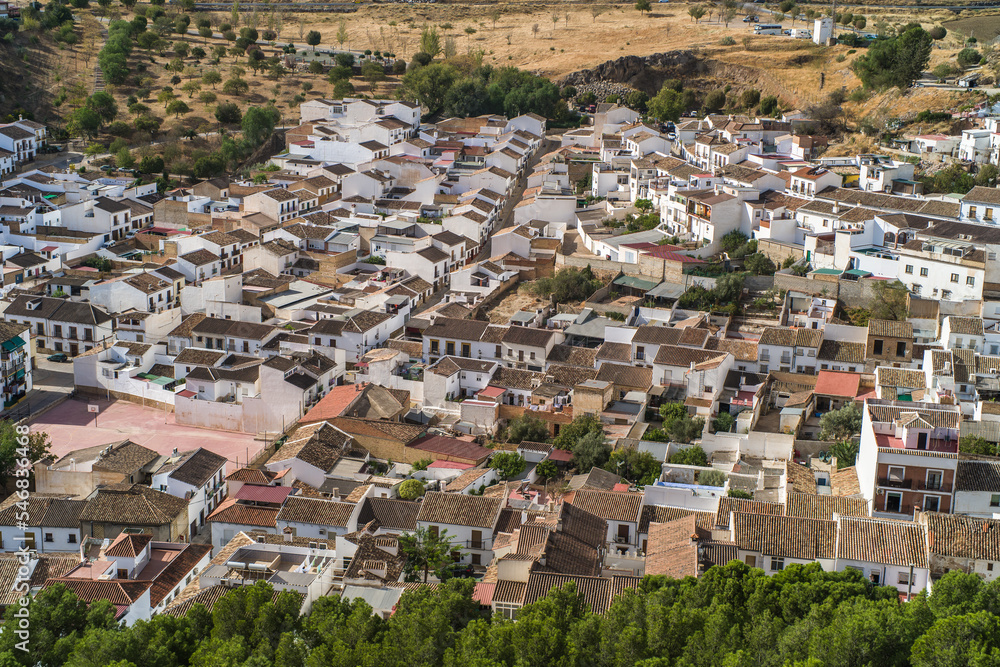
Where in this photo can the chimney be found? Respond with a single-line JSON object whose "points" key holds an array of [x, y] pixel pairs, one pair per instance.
{"points": [[174, 452], [836, 207], [288, 534]]}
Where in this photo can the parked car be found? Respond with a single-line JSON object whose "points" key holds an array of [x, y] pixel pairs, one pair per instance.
{"points": [[461, 571], [59, 358], [751, 19]]}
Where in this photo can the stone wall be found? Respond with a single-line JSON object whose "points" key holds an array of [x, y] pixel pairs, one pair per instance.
{"points": [[778, 252]]}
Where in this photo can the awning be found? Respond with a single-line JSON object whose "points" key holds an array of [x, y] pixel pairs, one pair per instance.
{"points": [[12, 344], [858, 272], [162, 381], [19, 374], [636, 283]]}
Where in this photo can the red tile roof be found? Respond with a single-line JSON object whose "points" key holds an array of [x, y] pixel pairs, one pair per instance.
{"points": [[263, 494], [836, 383], [333, 404], [445, 446]]}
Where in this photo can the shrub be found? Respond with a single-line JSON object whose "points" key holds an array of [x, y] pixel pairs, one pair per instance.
{"points": [[712, 478], [411, 489], [724, 423], [690, 456], [968, 57]]}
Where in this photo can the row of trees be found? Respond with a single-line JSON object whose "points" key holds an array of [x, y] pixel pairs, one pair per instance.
{"points": [[455, 89], [732, 616]]}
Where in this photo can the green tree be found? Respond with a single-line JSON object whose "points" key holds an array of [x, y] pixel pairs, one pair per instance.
{"points": [[581, 425], [750, 98], [968, 57], [690, 456], [724, 422], [712, 477], [507, 464], [178, 108], [841, 424], [759, 265], [124, 159], [955, 594], [547, 470], [211, 78], [568, 285], [235, 87], [987, 175], [342, 33], [16, 447], [889, 302], [667, 105], [103, 104], [422, 464], [937, 33], [411, 489], [84, 122], [846, 452], [590, 451], [429, 85], [768, 106], [258, 124], [425, 552], [313, 38], [430, 41], [372, 72], [696, 12], [635, 466], [643, 6], [715, 101], [527, 427], [959, 641], [976, 444], [895, 61]]}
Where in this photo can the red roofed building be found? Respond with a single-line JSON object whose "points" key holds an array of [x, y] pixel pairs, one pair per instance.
{"points": [[834, 389]]}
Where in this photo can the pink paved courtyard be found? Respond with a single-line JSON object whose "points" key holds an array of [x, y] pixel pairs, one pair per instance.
{"points": [[71, 427]]}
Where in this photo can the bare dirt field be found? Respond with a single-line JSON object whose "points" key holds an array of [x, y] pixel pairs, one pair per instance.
{"points": [[512, 303]]}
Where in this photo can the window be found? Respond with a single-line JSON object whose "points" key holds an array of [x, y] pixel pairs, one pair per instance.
{"points": [[972, 211], [954, 277], [507, 609], [931, 503], [877, 347], [970, 281], [945, 294], [640, 353], [49, 538], [777, 564], [988, 215], [904, 578], [909, 268], [435, 346], [901, 349], [923, 271], [995, 500]]}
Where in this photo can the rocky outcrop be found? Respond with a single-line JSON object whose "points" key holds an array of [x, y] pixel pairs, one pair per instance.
{"points": [[645, 73]]}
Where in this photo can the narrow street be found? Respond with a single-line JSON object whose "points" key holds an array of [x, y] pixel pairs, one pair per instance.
{"points": [[507, 215]]}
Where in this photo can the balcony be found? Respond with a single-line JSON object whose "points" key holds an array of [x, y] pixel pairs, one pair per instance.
{"points": [[943, 487], [893, 483]]}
